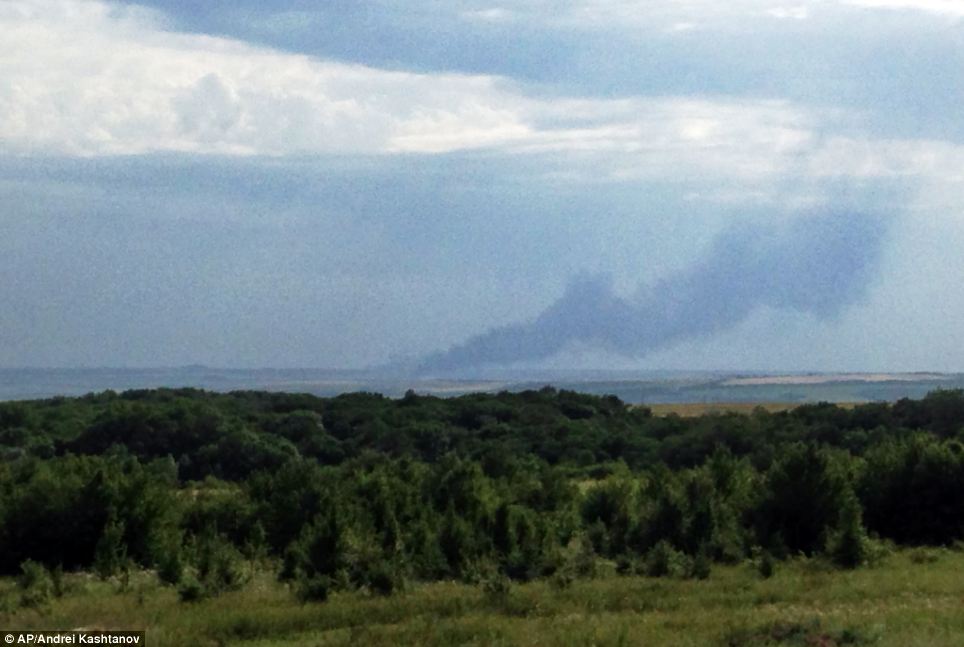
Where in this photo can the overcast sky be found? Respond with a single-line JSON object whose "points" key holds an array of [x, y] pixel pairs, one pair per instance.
{"points": [[344, 183]]}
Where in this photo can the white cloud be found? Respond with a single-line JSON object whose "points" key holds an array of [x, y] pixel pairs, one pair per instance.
{"points": [[492, 14], [948, 7], [683, 139], [799, 12], [895, 158], [85, 78], [88, 80]]}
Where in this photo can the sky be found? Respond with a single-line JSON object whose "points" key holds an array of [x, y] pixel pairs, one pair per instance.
{"points": [[744, 185]]}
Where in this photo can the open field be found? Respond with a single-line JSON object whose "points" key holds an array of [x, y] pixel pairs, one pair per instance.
{"points": [[912, 598], [696, 409], [829, 378]]}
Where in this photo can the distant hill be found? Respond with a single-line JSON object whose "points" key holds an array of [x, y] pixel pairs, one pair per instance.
{"points": [[637, 387]]}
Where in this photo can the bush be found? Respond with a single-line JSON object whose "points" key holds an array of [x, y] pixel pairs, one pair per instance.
{"points": [[625, 565], [220, 566], [320, 549], [110, 555], [766, 564], [584, 560], [191, 590], [35, 584], [561, 580], [806, 490], [384, 579], [924, 555], [496, 588], [170, 567], [665, 561], [848, 546], [701, 566], [313, 589], [57, 579]]}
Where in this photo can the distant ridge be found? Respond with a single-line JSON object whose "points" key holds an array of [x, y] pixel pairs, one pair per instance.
{"points": [[637, 387]]}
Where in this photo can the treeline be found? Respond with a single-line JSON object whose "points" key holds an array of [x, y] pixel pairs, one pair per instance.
{"points": [[233, 435], [366, 491]]}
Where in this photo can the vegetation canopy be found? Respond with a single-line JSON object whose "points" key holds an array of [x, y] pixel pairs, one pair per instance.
{"points": [[365, 493]]}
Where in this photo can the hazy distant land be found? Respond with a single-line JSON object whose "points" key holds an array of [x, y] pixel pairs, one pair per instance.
{"points": [[637, 387]]}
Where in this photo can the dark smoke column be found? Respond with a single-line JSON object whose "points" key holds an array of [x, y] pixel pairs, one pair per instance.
{"points": [[818, 264]]}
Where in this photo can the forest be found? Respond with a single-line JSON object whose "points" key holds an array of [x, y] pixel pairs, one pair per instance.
{"points": [[367, 493]]}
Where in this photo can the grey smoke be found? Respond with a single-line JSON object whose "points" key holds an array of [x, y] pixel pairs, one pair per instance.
{"points": [[817, 264]]}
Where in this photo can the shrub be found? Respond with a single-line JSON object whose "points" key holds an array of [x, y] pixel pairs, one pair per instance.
{"points": [[57, 579], [313, 589], [848, 546], [170, 566], [806, 489], [924, 555], [764, 562], [584, 561], [220, 566], [384, 579], [665, 561], [320, 550], [191, 590], [625, 565], [35, 584], [561, 580], [701, 566], [291, 563], [496, 588], [110, 555]]}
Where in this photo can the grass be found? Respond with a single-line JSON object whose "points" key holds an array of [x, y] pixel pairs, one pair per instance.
{"points": [[905, 601]]}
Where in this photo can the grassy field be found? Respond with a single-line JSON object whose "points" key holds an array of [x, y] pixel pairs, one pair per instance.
{"points": [[911, 598], [696, 409]]}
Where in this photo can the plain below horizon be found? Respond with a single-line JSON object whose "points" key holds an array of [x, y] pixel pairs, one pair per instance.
{"points": [[634, 387]]}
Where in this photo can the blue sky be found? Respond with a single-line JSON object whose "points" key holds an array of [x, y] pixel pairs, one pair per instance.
{"points": [[343, 184]]}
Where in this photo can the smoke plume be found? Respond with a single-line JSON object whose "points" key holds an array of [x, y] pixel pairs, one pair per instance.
{"points": [[817, 264]]}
